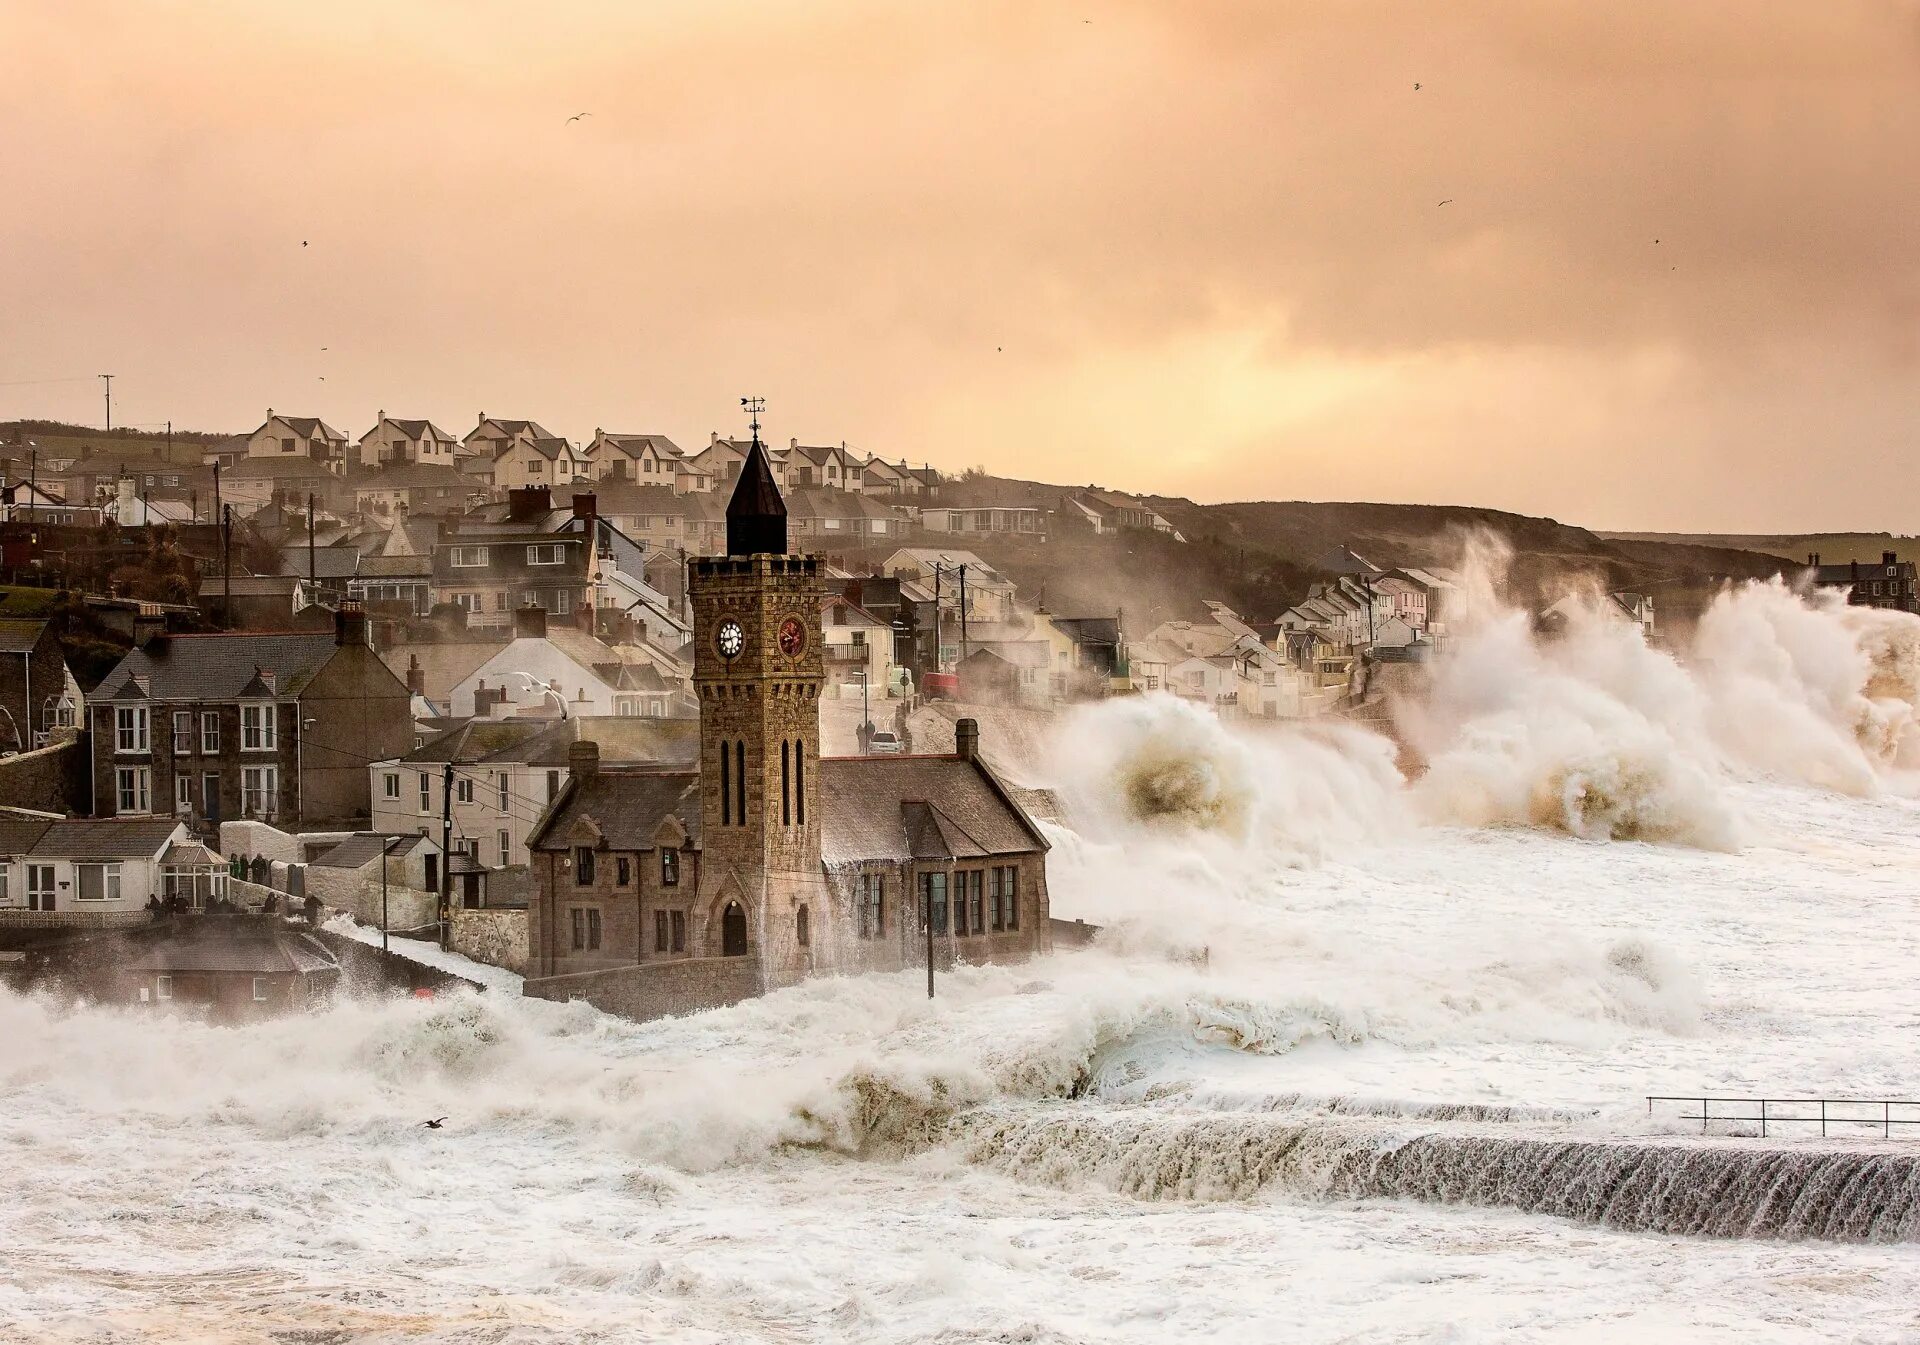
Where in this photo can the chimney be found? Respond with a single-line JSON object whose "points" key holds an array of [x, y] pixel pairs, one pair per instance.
{"points": [[1888, 558], [1813, 557], [793, 443], [1853, 570], [416, 676], [584, 505], [966, 739], [713, 437], [530, 623], [524, 502], [583, 759], [350, 625]]}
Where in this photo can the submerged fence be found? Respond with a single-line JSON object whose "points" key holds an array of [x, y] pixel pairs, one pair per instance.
{"points": [[1850, 1115]]}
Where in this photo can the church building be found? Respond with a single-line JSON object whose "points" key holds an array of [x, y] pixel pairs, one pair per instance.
{"points": [[662, 891]]}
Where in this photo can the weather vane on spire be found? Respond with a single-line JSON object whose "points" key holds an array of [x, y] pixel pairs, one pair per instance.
{"points": [[753, 406]]}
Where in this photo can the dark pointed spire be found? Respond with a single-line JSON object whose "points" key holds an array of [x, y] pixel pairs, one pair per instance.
{"points": [[756, 515]]}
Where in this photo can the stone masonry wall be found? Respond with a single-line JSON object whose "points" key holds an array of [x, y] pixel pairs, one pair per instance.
{"points": [[496, 937], [52, 779], [657, 990]]}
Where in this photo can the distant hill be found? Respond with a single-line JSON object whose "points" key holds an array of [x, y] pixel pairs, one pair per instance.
{"points": [[1834, 548]]}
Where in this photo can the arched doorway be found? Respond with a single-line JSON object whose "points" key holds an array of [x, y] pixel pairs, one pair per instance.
{"points": [[733, 931]]}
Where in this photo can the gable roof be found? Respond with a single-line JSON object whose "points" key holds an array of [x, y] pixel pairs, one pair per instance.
{"points": [[960, 805], [221, 667], [18, 834], [19, 636], [105, 838], [363, 848], [623, 808], [259, 955], [308, 427]]}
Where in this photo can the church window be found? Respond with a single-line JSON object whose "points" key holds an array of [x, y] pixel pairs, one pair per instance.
{"points": [[1011, 882], [583, 865], [960, 903], [786, 784], [977, 885], [726, 786], [800, 782], [659, 931], [669, 867], [872, 906], [740, 783], [679, 931], [593, 928], [995, 898], [802, 927]]}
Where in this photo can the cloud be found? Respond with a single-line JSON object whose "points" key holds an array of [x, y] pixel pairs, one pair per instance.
{"points": [[1196, 248]]}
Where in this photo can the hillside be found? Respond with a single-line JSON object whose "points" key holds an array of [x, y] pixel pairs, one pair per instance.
{"points": [[1835, 548]]}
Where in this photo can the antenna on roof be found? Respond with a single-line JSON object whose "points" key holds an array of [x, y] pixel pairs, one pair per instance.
{"points": [[753, 406]]}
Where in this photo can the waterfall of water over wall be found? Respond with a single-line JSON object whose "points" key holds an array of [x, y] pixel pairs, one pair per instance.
{"points": [[1664, 1185]]}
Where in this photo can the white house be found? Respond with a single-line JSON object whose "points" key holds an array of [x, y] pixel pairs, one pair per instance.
{"points": [[99, 871], [393, 442], [298, 437]]}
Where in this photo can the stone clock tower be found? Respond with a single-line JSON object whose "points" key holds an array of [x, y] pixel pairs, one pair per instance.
{"points": [[758, 671]]}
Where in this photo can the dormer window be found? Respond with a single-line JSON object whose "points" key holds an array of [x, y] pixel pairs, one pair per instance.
{"points": [[549, 553], [469, 557]]}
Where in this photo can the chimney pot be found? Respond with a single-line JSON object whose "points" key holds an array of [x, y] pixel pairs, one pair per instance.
{"points": [[350, 625], [583, 504], [583, 759], [416, 676], [1888, 557], [966, 739], [1853, 570]]}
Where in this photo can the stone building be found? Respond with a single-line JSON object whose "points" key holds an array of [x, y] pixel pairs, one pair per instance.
{"points": [[662, 891]]}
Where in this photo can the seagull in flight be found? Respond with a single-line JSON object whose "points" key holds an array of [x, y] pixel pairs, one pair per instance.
{"points": [[1448, 201], [576, 116], [433, 1124]]}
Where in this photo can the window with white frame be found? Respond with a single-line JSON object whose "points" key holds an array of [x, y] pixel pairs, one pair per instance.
{"points": [[504, 838], [469, 557], [259, 990], [209, 732], [463, 789], [260, 791], [97, 882], [182, 732], [131, 785], [257, 728], [163, 986], [504, 791], [130, 726], [547, 553], [390, 785], [426, 792], [6, 884]]}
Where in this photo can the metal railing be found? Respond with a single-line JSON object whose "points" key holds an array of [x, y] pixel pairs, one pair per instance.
{"points": [[1830, 1112]]}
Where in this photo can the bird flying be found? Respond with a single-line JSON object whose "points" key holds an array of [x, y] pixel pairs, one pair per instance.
{"points": [[1416, 88], [576, 116], [1448, 201], [433, 1124]]}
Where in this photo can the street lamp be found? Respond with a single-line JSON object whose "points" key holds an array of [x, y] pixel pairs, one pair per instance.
{"points": [[386, 849]]}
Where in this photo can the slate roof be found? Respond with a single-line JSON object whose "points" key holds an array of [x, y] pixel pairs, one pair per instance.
{"points": [[363, 848], [756, 515], [300, 468], [104, 838], [959, 805], [309, 427], [329, 562], [395, 567], [260, 956], [220, 667], [19, 637], [251, 585], [631, 444], [413, 429], [625, 807], [18, 834]]}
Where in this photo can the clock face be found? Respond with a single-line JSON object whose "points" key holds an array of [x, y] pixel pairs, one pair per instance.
{"points": [[729, 639], [793, 637]]}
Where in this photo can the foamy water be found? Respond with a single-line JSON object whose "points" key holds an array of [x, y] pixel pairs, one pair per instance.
{"points": [[1340, 1070]]}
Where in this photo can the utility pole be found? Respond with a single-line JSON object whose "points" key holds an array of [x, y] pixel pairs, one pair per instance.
{"points": [[963, 613], [386, 850], [216, 491], [313, 580], [33, 482], [927, 888], [109, 382], [446, 853], [226, 565], [937, 571]]}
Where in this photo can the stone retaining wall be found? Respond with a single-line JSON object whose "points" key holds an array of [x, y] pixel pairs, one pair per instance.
{"points": [[50, 779], [496, 937], [656, 989]]}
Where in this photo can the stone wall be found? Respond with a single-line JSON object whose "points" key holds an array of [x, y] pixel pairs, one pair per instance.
{"points": [[52, 779], [496, 937], [357, 892], [657, 989]]}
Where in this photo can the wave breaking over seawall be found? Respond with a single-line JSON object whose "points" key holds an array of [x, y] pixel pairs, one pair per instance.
{"points": [[1668, 1185]]}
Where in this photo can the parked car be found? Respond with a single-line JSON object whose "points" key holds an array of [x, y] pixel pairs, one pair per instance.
{"points": [[884, 742]]}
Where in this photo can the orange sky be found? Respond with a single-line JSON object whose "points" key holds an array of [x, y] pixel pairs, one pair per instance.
{"points": [[1192, 247]]}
